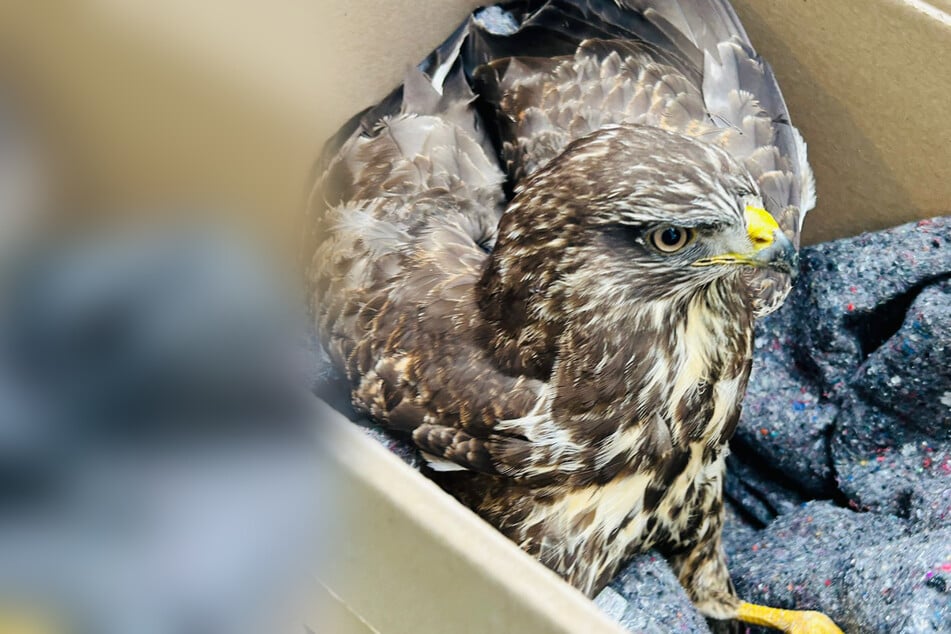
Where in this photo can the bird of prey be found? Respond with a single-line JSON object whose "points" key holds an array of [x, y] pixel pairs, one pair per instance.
{"points": [[541, 259]]}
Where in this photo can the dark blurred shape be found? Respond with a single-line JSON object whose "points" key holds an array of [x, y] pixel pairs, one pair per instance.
{"points": [[177, 332], [157, 464]]}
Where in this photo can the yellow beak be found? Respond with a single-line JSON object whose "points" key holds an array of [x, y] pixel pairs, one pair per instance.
{"points": [[760, 226], [771, 247]]}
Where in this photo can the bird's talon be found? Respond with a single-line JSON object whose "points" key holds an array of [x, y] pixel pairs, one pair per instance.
{"points": [[789, 621]]}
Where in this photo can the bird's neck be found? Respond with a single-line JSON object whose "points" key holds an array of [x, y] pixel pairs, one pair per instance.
{"points": [[675, 359], [678, 364]]}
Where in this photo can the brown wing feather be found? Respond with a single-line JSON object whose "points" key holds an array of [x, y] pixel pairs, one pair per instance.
{"points": [[395, 273]]}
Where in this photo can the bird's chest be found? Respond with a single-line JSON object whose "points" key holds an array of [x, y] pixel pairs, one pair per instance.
{"points": [[585, 533], [670, 511], [710, 366], [690, 506], [623, 509]]}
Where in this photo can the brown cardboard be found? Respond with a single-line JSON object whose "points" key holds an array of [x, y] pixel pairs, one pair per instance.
{"points": [[216, 103], [229, 102], [414, 560], [153, 102]]}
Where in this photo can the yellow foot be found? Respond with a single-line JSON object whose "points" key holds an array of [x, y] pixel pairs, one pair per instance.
{"points": [[789, 621]]}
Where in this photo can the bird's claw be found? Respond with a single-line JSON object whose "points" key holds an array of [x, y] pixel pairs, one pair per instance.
{"points": [[789, 621], [813, 623]]}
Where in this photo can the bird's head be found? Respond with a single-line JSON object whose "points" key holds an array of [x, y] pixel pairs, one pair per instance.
{"points": [[638, 212]]}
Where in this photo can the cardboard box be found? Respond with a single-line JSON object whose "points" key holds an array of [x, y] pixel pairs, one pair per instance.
{"points": [[149, 103], [414, 560]]}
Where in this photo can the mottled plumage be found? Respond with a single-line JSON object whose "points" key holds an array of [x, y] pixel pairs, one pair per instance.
{"points": [[493, 277]]}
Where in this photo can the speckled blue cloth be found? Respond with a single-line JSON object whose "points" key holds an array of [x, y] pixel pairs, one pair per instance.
{"points": [[850, 403]]}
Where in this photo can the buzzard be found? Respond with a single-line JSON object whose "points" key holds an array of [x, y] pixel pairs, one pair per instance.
{"points": [[541, 258]]}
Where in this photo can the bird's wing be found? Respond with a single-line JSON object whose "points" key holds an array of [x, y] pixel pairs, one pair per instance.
{"points": [[407, 205], [700, 39]]}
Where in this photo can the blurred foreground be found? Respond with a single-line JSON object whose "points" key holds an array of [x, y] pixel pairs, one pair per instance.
{"points": [[158, 470], [157, 463]]}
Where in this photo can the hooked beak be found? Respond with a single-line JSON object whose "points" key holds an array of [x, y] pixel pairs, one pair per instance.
{"points": [[771, 248]]}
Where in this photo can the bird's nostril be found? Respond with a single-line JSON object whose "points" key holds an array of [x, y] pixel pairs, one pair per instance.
{"points": [[761, 241]]}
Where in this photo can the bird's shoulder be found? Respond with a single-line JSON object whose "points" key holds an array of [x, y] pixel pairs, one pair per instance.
{"points": [[543, 104]]}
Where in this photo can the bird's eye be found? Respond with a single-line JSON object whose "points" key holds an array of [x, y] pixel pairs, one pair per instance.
{"points": [[670, 239]]}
